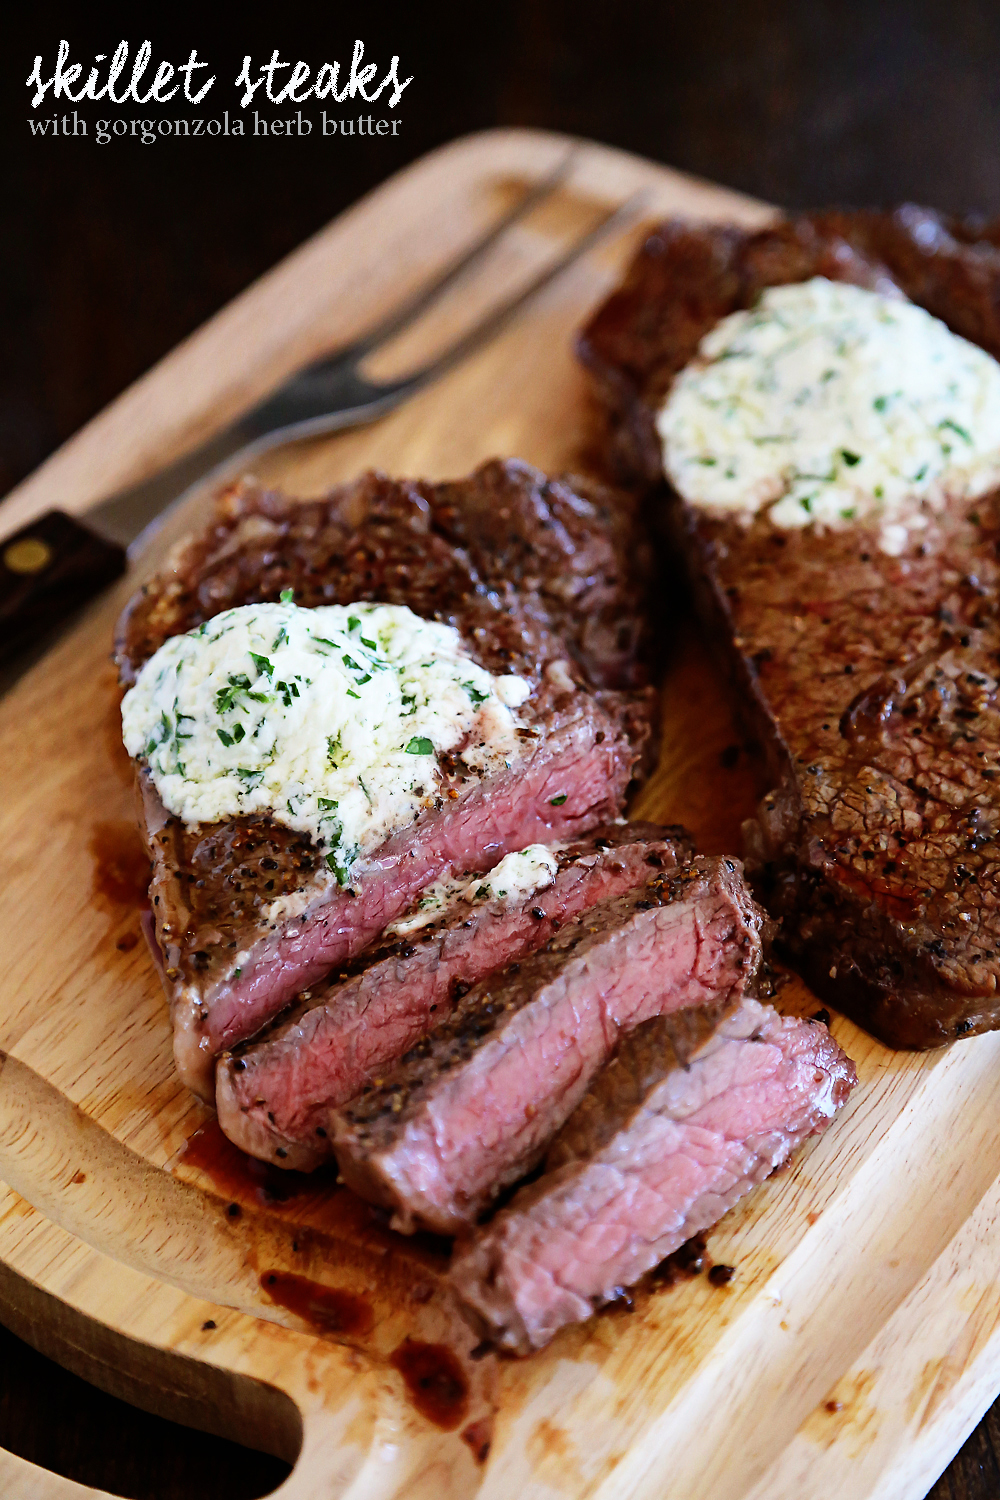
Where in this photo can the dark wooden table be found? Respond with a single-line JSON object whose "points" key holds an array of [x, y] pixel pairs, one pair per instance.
{"points": [[114, 252]]}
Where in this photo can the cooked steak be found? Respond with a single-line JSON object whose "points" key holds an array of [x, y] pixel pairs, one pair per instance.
{"points": [[531, 567], [275, 1094], [473, 1106], [871, 678], [538, 580], [692, 1111]]}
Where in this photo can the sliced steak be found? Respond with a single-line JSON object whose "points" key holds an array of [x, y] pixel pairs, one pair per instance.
{"points": [[871, 679], [692, 1111], [539, 582], [275, 1094], [473, 1106], [235, 956]]}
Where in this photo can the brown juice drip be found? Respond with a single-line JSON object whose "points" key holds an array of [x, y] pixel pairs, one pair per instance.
{"points": [[327, 1308], [121, 870], [241, 1177], [687, 1261], [311, 1199], [479, 1436], [436, 1383]]}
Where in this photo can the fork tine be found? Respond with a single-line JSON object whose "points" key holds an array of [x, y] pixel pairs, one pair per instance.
{"points": [[493, 321], [402, 316]]}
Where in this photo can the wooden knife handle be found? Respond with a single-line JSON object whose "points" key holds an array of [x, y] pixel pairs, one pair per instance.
{"points": [[47, 570]]}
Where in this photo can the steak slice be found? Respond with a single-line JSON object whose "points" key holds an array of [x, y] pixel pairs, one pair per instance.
{"points": [[474, 1104], [275, 1095], [539, 581], [871, 679], [692, 1111]]}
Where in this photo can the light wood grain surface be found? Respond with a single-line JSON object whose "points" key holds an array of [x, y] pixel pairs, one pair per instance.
{"points": [[857, 1343]]}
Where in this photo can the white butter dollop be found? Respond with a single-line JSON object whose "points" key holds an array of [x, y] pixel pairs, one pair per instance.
{"points": [[826, 403], [513, 880], [329, 719]]}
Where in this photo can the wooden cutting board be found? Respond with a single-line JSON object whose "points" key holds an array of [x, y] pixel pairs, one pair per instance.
{"points": [[857, 1343]]}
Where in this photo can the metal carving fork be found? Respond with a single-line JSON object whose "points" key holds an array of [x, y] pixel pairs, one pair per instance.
{"points": [[57, 562]]}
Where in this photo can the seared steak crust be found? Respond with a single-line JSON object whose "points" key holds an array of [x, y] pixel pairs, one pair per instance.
{"points": [[275, 1095], [526, 567], [871, 679]]}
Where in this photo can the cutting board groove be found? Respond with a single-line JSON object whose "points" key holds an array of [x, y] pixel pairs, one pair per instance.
{"points": [[858, 1341]]}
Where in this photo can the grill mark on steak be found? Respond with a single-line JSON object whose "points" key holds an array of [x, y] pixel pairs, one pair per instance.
{"points": [[275, 1095], [692, 1111], [477, 1101], [871, 679], [540, 580]]}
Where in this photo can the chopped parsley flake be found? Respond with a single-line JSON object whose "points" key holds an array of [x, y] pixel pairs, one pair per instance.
{"points": [[420, 745]]}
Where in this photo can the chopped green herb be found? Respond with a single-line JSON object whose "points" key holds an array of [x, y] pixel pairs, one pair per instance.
{"points": [[850, 459], [353, 623], [237, 973], [420, 745], [238, 733], [287, 596], [262, 664], [880, 403], [474, 693], [339, 870], [327, 804], [372, 645], [226, 739], [352, 694], [956, 428], [558, 801], [281, 636], [324, 642]]}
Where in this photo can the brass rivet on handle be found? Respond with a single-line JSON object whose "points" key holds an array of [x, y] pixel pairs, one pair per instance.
{"points": [[29, 555]]}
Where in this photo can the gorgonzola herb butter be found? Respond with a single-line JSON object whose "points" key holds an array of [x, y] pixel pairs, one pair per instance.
{"points": [[514, 879], [328, 719], [827, 402]]}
